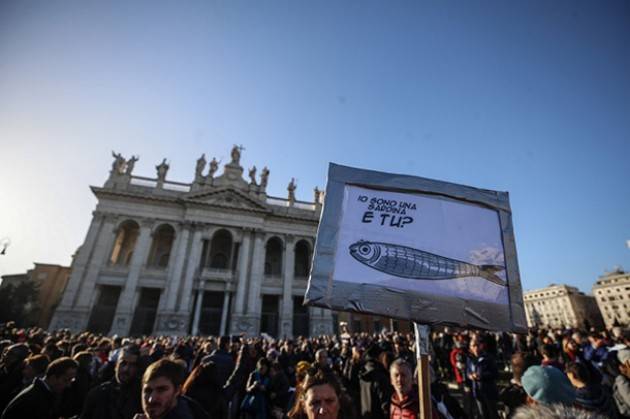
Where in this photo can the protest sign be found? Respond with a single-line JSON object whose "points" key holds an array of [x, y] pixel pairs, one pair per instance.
{"points": [[416, 249]]}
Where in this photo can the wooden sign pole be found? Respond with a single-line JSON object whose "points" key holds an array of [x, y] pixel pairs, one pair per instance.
{"points": [[424, 375]]}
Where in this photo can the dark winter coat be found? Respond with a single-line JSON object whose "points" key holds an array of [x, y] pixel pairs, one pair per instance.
{"points": [[187, 409], [34, 402], [279, 390], [10, 383], [110, 400], [594, 399], [224, 365], [376, 391], [207, 394], [486, 368], [441, 398], [513, 397]]}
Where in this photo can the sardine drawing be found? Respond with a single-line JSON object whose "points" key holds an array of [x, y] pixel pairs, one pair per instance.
{"points": [[407, 262]]}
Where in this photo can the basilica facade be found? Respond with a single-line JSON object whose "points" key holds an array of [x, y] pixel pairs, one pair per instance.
{"points": [[215, 256]]}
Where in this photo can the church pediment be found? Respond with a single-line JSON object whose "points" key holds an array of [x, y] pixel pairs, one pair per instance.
{"points": [[227, 198]]}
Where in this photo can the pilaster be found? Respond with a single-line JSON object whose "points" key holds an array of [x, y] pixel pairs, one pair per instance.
{"points": [[198, 305], [74, 314], [243, 264], [286, 321], [81, 261], [184, 308], [258, 269], [176, 267], [224, 313]]}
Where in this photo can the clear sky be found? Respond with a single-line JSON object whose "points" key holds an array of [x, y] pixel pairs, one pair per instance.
{"points": [[530, 97]]}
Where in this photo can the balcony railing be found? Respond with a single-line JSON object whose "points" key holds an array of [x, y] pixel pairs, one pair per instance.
{"points": [[215, 273]]}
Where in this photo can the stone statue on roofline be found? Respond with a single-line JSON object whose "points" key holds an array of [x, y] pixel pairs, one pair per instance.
{"points": [[252, 176], [317, 194], [162, 169], [236, 155], [131, 164], [118, 166], [264, 177], [291, 188], [214, 166], [201, 165]]}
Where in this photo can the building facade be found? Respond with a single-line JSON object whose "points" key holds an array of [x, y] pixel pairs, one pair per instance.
{"points": [[215, 256], [559, 306], [612, 292], [50, 282]]}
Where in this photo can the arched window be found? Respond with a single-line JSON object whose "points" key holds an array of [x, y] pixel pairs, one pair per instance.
{"points": [[273, 257], [302, 259], [161, 246], [125, 243], [221, 250]]}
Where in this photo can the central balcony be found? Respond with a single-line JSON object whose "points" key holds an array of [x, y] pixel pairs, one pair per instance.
{"points": [[215, 274]]}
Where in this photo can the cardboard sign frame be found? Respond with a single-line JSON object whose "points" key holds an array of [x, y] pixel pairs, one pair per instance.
{"points": [[422, 307]]}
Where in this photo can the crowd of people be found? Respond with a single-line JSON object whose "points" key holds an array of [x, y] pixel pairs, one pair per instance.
{"points": [[544, 374]]}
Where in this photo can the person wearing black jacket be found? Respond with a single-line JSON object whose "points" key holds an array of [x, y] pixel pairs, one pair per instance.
{"points": [[375, 387], [482, 371], [11, 372], [278, 390], [120, 397], [37, 401]]}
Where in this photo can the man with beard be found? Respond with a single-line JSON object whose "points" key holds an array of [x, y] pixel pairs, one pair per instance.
{"points": [[162, 393], [120, 397]]}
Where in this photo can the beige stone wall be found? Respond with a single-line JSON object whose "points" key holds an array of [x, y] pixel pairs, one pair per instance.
{"points": [[612, 292], [559, 305]]}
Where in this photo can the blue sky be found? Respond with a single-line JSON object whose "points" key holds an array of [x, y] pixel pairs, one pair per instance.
{"points": [[527, 97]]}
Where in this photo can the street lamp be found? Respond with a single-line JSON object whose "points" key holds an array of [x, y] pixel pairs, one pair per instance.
{"points": [[4, 243]]}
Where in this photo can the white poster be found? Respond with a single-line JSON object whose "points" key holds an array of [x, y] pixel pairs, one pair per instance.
{"points": [[421, 242], [412, 248]]}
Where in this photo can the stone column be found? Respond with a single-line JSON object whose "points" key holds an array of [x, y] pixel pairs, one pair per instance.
{"points": [[257, 274], [191, 271], [243, 321], [287, 288], [168, 321], [76, 318], [224, 313], [125, 306], [198, 305], [243, 265], [176, 268], [80, 263]]}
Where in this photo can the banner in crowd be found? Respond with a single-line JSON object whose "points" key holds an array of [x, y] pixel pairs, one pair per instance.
{"points": [[416, 249]]}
